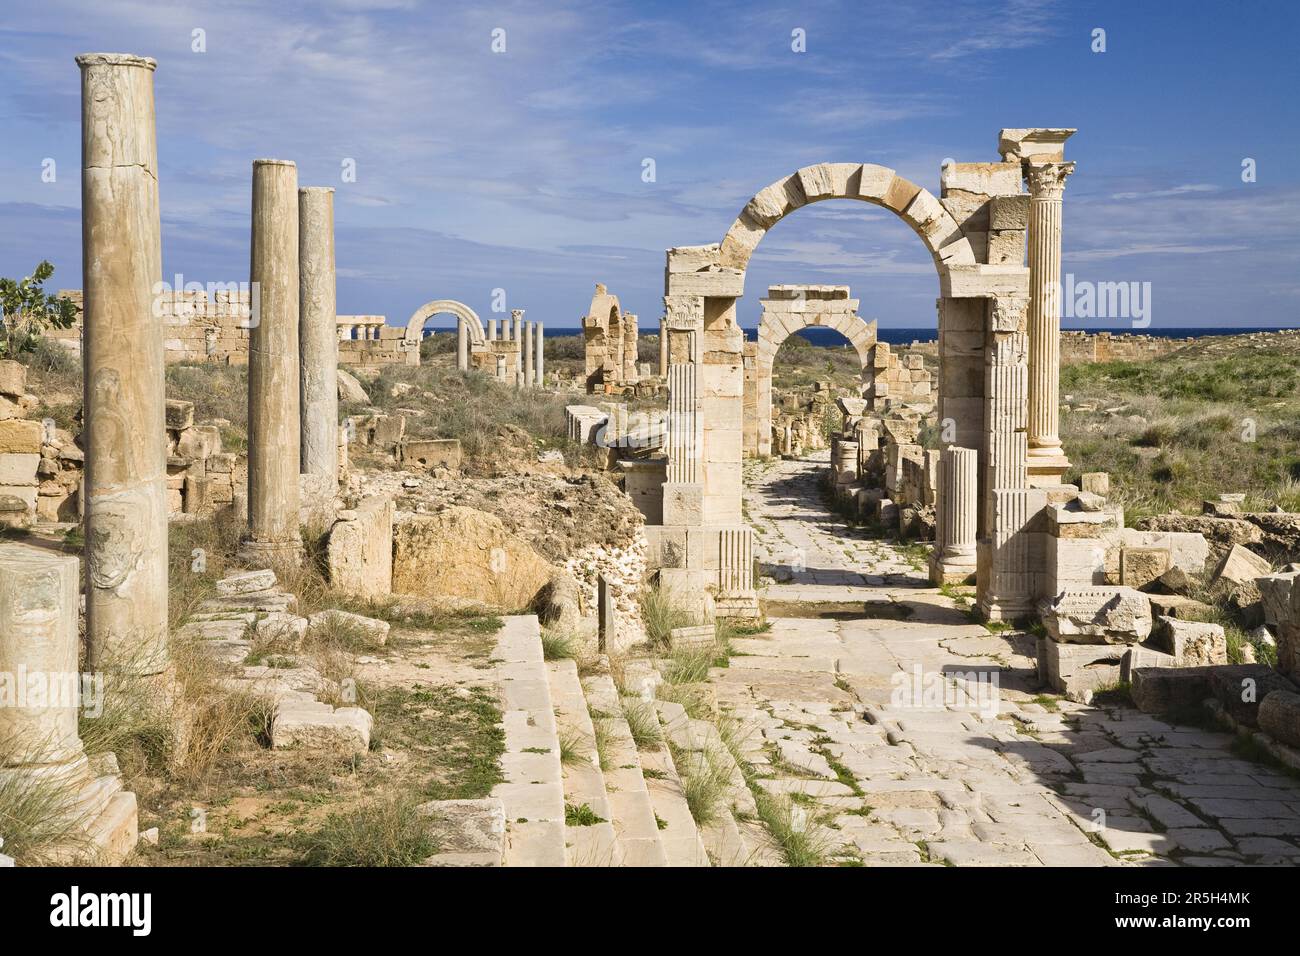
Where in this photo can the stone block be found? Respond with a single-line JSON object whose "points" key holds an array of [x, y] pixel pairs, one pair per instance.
{"points": [[1241, 688], [698, 637], [370, 630], [360, 549], [1164, 690], [311, 725], [1138, 567], [1079, 669], [246, 582], [18, 469], [1192, 643], [1009, 212], [19, 436], [1098, 615], [13, 379], [1240, 565], [1279, 717], [431, 453], [180, 415]]}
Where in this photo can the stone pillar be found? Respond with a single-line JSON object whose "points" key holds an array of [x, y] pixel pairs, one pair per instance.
{"points": [[125, 500], [663, 346], [318, 371], [1046, 459], [959, 512], [38, 643], [273, 431], [492, 330], [462, 345], [538, 360], [516, 335], [527, 351]]}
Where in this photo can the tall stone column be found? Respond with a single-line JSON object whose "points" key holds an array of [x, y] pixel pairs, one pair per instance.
{"points": [[273, 421], [492, 330], [462, 345], [516, 336], [318, 342], [663, 346], [959, 511], [527, 350], [1046, 458], [124, 396], [538, 360]]}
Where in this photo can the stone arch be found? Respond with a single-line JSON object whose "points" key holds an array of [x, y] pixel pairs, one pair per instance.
{"points": [[795, 308], [466, 315], [878, 185]]}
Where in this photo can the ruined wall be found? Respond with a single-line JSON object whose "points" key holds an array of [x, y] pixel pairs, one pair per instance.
{"points": [[609, 344], [196, 327], [1077, 347]]}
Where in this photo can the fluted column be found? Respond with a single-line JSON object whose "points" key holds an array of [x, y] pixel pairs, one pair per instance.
{"points": [[124, 396], [274, 439], [318, 343], [1046, 458]]}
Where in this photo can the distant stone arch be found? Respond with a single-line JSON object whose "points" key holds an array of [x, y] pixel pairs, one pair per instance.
{"points": [[464, 314], [787, 310]]}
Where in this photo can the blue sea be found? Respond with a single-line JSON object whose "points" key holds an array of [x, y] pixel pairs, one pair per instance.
{"points": [[905, 336]]}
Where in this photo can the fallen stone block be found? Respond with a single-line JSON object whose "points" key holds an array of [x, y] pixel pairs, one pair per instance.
{"points": [[697, 637], [1279, 717], [1241, 566], [1192, 643], [1098, 615], [313, 725], [246, 583], [467, 832], [1175, 605], [1165, 690], [1241, 688], [1077, 670]]}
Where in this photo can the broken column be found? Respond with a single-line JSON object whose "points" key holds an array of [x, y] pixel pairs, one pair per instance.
{"points": [[317, 340], [273, 422], [124, 397], [538, 370], [38, 646], [958, 514], [462, 345], [1046, 459], [526, 349]]}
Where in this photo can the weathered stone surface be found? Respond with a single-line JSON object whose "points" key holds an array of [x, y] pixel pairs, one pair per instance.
{"points": [[20, 436], [461, 552], [1161, 690], [350, 389], [1241, 688], [1098, 615], [180, 415], [13, 379], [246, 582], [1192, 643], [1241, 566], [1279, 717], [312, 725], [431, 453], [360, 549]]}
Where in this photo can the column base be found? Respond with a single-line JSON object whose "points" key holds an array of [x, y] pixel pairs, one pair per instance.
{"points": [[951, 570], [271, 554], [1046, 470]]}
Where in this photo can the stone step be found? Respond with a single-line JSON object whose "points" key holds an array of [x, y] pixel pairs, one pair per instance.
{"points": [[680, 836], [532, 793], [584, 782], [734, 837], [635, 828]]}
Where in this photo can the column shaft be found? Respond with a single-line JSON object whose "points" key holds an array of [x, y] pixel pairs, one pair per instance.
{"points": [[318, 339], [538, 361], [124, 395], [527, 348], [1046, 459], [274, 438], [462, 345]]}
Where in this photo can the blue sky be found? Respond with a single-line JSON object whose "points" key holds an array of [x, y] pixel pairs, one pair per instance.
{"points": [[522, 170]]}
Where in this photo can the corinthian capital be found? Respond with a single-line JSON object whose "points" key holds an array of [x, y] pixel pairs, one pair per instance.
{"points": [[1047, 180]]}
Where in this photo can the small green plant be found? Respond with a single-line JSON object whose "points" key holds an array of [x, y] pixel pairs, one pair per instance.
{"points": [[558, 647], [662, 612], [643, 723], [582, 816]]}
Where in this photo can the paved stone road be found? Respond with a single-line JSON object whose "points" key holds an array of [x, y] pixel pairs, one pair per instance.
{"points": [[912, 735]]}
